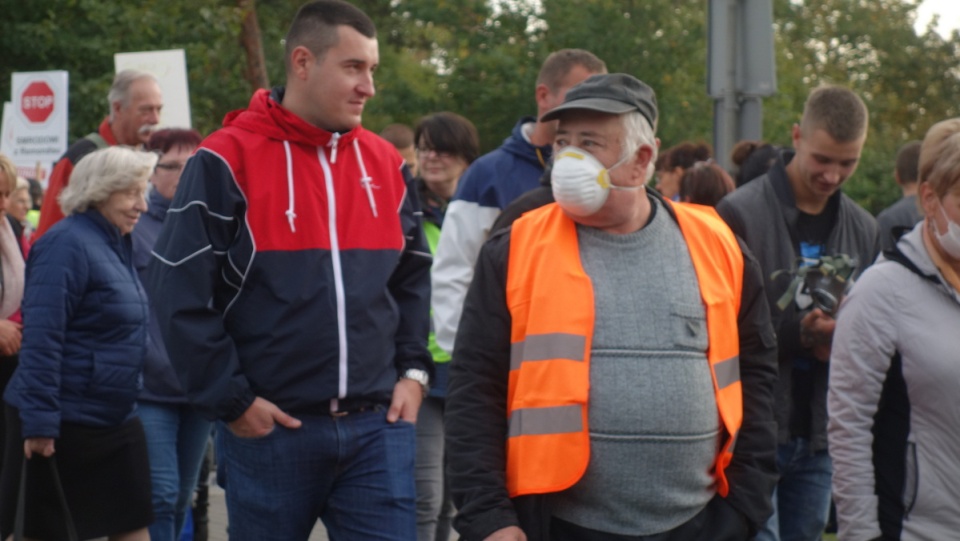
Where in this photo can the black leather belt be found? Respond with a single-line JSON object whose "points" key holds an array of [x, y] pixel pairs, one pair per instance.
{"points": [[345, 406]]}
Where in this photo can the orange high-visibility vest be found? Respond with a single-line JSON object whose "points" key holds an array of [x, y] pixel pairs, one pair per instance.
{"points": [[550, 298]]}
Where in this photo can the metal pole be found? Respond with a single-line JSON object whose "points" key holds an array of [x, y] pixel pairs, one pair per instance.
{"points": [[751, 118], [729, 108]]}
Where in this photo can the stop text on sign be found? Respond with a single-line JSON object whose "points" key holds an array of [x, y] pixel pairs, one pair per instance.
{"points": [[37, 102]]}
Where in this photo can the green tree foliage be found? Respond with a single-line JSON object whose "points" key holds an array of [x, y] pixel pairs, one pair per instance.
{"points": [[908, 81], [662, 42], [81, 36], [480, 59], [461, 56]]}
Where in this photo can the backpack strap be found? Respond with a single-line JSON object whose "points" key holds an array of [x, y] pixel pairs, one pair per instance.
{"points": [[97, 139], [895, 254]]}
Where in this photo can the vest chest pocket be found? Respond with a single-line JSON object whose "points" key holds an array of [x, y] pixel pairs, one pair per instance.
{"points": [[688, 325]]}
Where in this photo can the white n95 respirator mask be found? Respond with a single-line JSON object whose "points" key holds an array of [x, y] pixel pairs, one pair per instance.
{"points": [[580, 183], [949, 241]]}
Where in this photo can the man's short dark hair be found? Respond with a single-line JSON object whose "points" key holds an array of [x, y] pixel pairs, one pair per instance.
{"points": [[448, 132], [556, 67], [908, 163], [399, 135], [315, 26], [836, 110]]}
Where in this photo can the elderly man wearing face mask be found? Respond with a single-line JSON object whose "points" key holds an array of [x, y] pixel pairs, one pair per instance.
{"points": [[612, 376]]}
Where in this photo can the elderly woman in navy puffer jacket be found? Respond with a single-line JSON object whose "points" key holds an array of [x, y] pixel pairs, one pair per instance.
{"points": [[84, 339]]}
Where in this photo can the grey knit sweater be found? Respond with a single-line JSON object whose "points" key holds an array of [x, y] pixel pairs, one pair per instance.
{"points": [[654, 424]]}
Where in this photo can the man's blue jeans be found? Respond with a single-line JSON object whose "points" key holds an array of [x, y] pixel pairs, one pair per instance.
{"points": [[176, 440], [801, 500], [355, 473]]}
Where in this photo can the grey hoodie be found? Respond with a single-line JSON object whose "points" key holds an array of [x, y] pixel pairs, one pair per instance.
{"points": [[894, 413]]}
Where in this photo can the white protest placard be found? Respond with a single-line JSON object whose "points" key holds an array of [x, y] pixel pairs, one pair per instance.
{"points": [[38, 170], [170, 69], [6, 128], [34, 131]]}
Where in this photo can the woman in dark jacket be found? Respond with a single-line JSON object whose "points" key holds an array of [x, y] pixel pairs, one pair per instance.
{"points": [[176, 434], [84, 340]]}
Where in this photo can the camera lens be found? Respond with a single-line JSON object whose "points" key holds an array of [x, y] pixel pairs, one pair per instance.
{"points": [[824, 300]]}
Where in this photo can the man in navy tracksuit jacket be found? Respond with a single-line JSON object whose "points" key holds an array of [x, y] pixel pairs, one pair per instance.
{"points": [[292, 287]]}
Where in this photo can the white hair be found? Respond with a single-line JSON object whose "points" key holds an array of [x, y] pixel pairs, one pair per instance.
{"points": [[101, 173], [120, 89], [637, 132]]}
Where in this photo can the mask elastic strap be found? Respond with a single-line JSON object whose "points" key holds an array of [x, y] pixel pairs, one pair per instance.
{"points": [[614, 186]]}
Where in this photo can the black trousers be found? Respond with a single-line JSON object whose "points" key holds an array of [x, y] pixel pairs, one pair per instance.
{"points": [[8, 365], [718, 521]]}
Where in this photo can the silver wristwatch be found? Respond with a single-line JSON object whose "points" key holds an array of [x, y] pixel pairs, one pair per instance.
{"points": [[420, 376]]}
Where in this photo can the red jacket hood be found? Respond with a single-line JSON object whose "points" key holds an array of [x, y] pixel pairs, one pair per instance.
{"points": [[265, 116]]}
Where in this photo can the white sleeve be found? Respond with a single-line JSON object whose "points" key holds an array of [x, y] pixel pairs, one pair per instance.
{"points": [[465, 228], [863, 344]]}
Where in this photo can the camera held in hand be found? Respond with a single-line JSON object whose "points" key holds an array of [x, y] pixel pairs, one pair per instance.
{"points": [[826, 280], [826, 291]]}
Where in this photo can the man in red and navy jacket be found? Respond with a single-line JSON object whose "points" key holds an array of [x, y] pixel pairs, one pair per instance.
{"points": [[292, 286]]}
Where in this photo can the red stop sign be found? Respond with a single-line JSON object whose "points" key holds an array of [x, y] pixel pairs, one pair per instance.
{"points": [[36, 102]]}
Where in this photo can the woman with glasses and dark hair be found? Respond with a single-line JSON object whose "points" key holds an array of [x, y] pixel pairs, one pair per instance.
{"points": [[446, 144], [176, 434]]}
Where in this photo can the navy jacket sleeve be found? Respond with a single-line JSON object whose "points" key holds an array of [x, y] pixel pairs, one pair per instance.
{"points": [[186, 285], [56, 278], [410, 286], [753, 470], [476, 418]]}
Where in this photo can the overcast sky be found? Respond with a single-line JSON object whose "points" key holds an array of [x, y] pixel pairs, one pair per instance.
{"points": [[949, 11]]}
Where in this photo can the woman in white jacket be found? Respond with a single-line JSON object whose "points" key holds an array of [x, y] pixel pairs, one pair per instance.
{"points": [[894, 429]]}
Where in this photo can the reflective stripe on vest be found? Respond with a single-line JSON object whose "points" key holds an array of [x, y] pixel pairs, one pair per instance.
{"points": [[551, 303]]}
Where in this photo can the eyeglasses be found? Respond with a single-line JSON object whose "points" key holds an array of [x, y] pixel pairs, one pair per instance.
{"points": [[171, 167], [423, 151]]}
